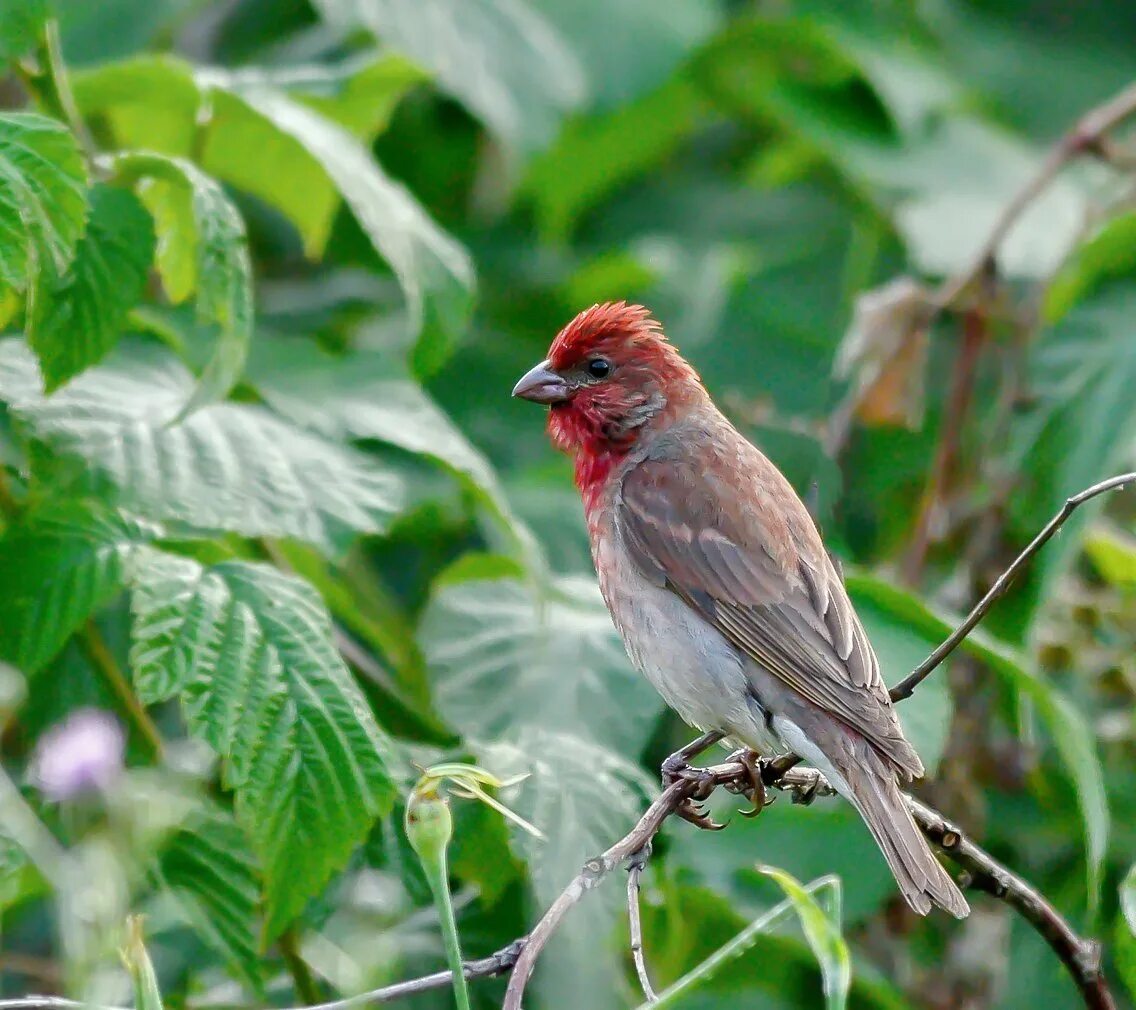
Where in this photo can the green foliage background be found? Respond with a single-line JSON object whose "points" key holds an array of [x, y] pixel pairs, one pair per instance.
{"points": [[268, 271]]}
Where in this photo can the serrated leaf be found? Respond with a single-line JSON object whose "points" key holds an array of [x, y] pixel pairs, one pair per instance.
{"points": [[822, 931], [207, 867], [212, 258], [507, 653], [434, 271], [60, 565], [78, 318], [500, 58], [43, 201], [250, 652], [21, 23], [228, 466]]}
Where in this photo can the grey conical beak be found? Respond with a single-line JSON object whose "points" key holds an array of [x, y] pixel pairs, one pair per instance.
{"points": [[542, 385]]}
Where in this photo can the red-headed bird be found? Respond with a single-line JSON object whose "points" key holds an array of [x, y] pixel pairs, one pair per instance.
{"points": [[717, 579]]}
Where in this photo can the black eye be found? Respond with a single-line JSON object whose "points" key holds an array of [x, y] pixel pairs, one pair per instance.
{"points": [[599, 368]]}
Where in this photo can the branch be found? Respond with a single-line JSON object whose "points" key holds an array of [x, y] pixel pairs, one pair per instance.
{"points": [[1087, 136], [906, 687], [635, 925]]}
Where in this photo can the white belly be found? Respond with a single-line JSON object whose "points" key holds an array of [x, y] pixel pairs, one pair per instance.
{"points": [[698, 673]]}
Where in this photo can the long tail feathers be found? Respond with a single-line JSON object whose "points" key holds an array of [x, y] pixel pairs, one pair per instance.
{"points": [[873, 790]]}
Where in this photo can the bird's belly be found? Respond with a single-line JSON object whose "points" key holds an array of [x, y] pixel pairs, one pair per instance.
{"points": [[696, 670]]}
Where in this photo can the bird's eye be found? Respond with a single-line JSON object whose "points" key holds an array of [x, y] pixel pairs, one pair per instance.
{"points": [[599, 368]]}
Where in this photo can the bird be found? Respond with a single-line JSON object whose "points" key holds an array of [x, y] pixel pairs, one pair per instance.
{"points": [[717, 578]]}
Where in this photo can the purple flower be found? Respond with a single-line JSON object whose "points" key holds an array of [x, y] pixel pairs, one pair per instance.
{"points": [[81, 754]]}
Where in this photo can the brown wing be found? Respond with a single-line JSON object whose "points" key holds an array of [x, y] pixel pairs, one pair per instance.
{"points": [[721, 527]]}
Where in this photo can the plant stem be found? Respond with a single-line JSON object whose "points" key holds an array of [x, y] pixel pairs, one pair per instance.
{"points": [[98, 652], [302, 979], [437, 873]]}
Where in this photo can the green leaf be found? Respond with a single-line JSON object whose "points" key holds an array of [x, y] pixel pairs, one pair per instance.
{"points": [[43, 201], [21, 23], [1071, 733], [1108, 255], [250, 653], [228, 466], [1113, 554], [152, 103], [60, 564], [202, 246], [207, 868], [500, 58], [506, 653], [582, 797], [433, 270], [1125, 952], [822, 930], [80, 316]]}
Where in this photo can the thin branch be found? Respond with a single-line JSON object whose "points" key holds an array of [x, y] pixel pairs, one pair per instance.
{"points": [[906, 687], [1087, 136], [1080, 956], [635, 925]]}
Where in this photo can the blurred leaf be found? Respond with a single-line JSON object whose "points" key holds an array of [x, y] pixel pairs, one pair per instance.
{"points": [[1071, 733], [202, 247], [607, 152], [583, 797], [43, 201], [250, 653], [208, 869], [78, 317], [20, 25], [434, 271], [822, 930], [228, 466], [1108, 255], [507, 653], [156, 103], [1076, 429], [61, 564], [1113, 554], [500, 58], [147, 995], [1125, 951], [19, 879]]}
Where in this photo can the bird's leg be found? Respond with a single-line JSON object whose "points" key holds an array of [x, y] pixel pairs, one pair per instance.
{"points": [[677, 768], [754, 785]]}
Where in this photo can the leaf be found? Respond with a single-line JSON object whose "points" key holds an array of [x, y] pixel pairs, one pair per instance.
{"points": [[822, 930], [211, 257], [1068, 727], [61, 564], [433, 270], [1125, 947], [228, 466], [1077, 428], [21, 22], [1113, 554], [500, 58], [1108, 255], [250, 652], [43, 201], [156, 103], [208, 869], [506, 653], [79, 317], [582, 797]]}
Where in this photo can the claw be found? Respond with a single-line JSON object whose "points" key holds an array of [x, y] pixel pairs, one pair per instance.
{"points": [[690, 811], [804, 795], [754, 786]]}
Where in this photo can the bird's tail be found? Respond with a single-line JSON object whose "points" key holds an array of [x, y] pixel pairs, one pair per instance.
{"points": [[874, 792]]}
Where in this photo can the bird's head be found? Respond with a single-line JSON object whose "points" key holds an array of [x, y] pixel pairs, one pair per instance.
{"points": [[610, 378]]}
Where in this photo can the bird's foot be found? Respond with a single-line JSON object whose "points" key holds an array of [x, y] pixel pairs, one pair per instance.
{"points": [[804, 793], [751, 785], [676, 768]]}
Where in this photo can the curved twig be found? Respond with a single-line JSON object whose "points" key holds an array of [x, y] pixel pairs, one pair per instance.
{"points": [[635, 926], [906, 687]]}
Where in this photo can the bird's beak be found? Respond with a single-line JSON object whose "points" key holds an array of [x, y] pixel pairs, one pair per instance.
{"points": [[542, 385]]}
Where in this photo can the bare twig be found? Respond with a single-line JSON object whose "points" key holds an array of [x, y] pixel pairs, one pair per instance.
{"points": [[635, 924], [1080, 956], [906, 687], [1087, 136]]}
